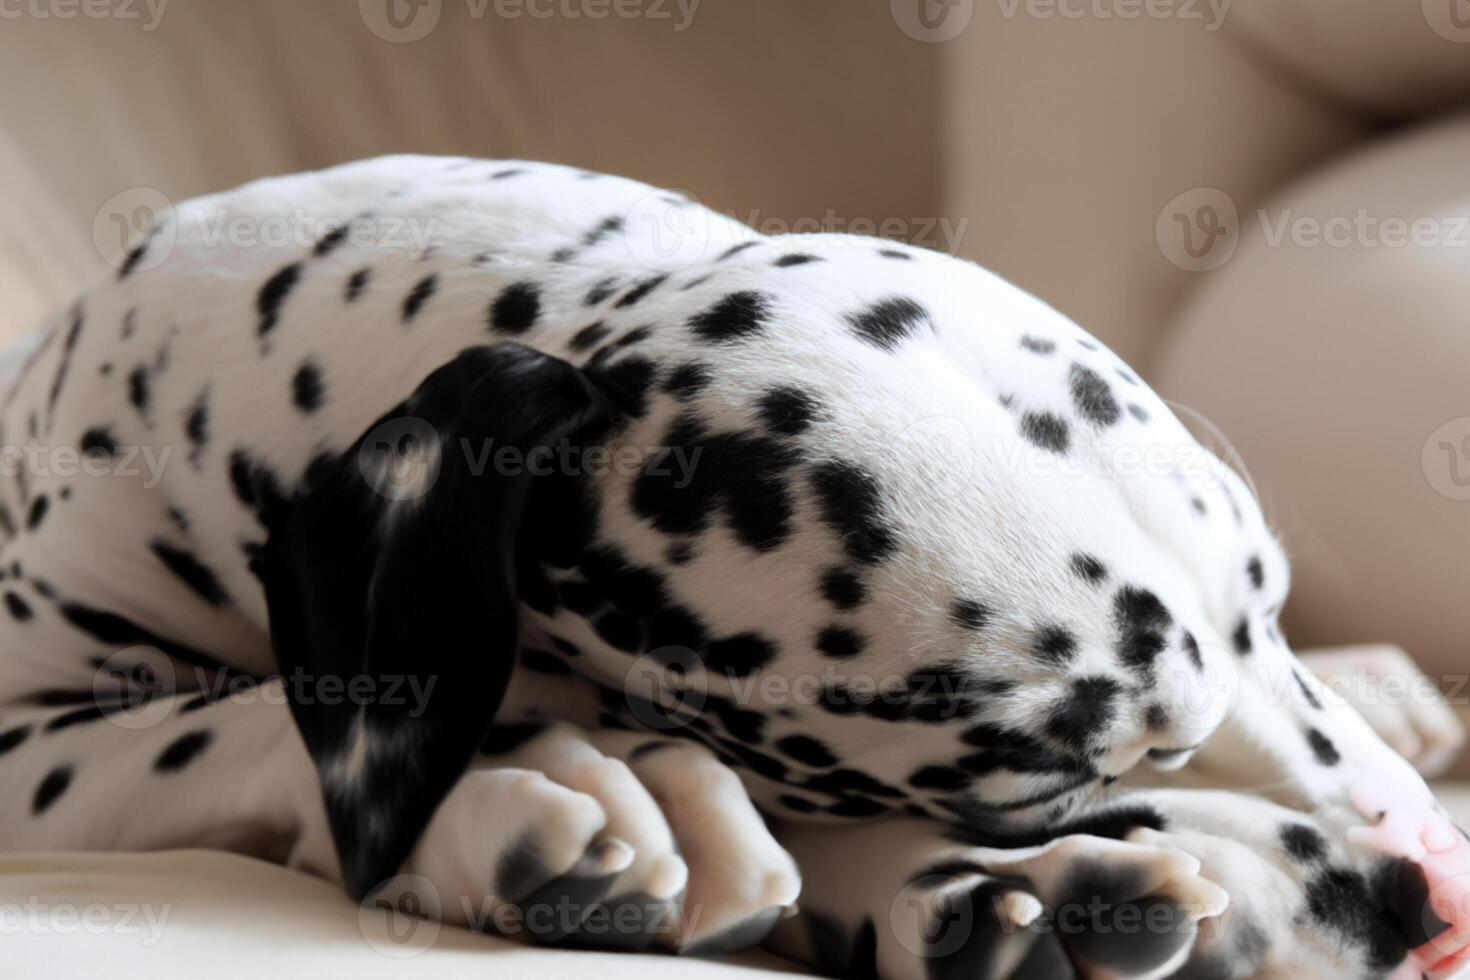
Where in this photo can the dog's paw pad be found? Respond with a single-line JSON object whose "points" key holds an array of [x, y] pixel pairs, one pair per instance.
{"points": [[556, 910], [1405, 822]]}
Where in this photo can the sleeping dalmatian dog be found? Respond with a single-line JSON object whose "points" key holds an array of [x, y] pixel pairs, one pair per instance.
{"points": [[599, 571]]}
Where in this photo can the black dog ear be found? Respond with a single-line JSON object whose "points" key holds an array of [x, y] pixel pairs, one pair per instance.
{"points": [[392, 588]]}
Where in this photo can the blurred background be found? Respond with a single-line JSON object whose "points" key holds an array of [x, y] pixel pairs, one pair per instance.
{"points": [[1262, 204]]}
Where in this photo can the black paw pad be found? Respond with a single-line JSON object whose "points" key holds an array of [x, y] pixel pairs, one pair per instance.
{"points": [[742, 935], [1130, 938], [630, 923], [967, 939]]}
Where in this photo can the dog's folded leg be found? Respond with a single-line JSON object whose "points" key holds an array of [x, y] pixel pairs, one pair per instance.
{"points": [[222, 768], [393, 581]]}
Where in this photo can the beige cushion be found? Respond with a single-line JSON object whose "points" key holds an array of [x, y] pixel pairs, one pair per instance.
{"points": [[1399, 57], [1339, 373], [218, 915]]}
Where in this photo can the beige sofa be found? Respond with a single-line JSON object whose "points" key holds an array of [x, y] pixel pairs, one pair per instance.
{"points": [[1070, 152]]}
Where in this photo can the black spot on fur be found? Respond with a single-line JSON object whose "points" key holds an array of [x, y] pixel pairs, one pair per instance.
{"points": [[1089, 568], [55, 783], [1038, 345], [851, 505], [258, 487], [797, 804], [970, 614], [1191, 647], [734, 317], [807, 750], [1085, 713], [356, 283], [944, 778], [307, 388], [98, 442], [1137, 412], [1303, 843], [795, 258], [1092, 397], [268, 301], [37, 513], [140, 394], [1307, 693], [12, 738], [739, 655], [19, 609], [1056, 644], [1046, 430], [191, 571], [687, 380], [515, 310], [183, 750], [1141, 620], [887, 322], [736, 249], [842, 588], [786, 410], [1323, 748], [418, 296], [642, 289], [1256, 571], [590, 336], [840, 642], [135, 254], [601, 291], [626, 384], [68, 345], [1242, 636], [736, 472]]}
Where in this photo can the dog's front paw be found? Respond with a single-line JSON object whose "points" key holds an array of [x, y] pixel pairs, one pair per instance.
{"points": [[1402, 705], [510, 850], [917, 906], [1078, 906], [705, 876]]}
